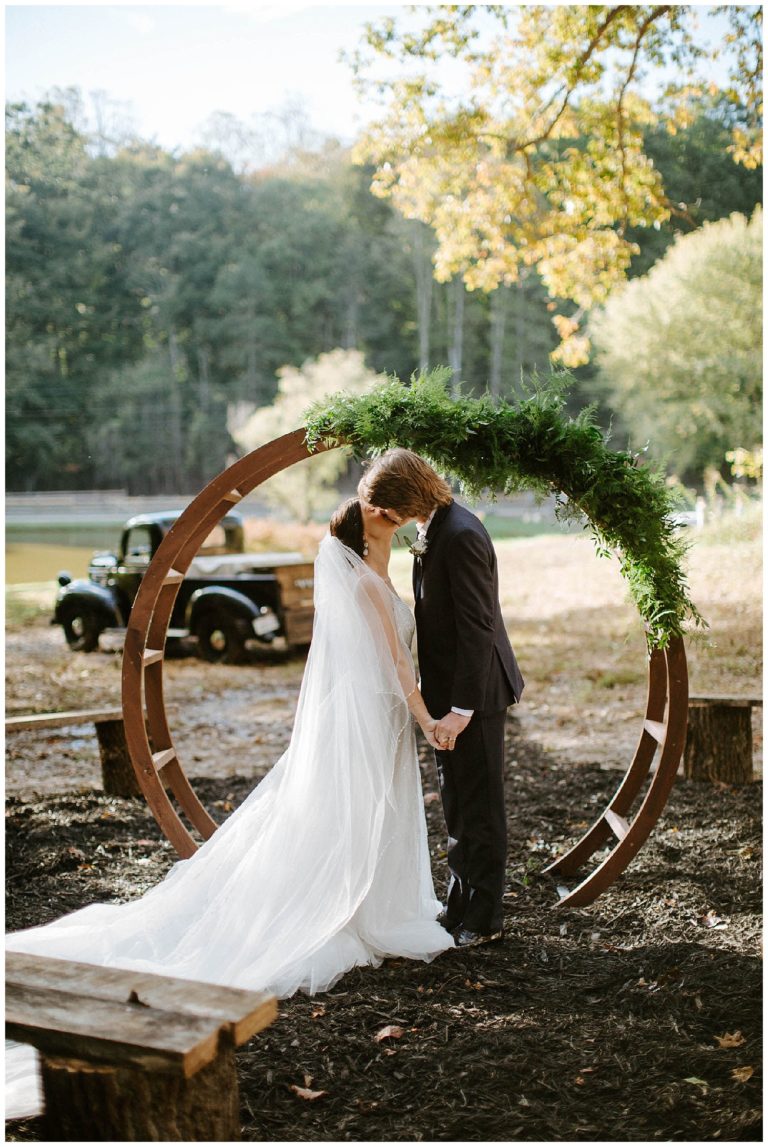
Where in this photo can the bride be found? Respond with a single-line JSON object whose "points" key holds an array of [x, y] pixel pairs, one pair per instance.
{"points": [[325, 865]]}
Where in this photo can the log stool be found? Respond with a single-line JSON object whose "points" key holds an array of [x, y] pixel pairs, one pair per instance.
{"points": [[718, 745], [129, 1056]]}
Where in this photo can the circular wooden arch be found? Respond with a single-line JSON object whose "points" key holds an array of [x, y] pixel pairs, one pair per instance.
{"points": [[159, 769]]}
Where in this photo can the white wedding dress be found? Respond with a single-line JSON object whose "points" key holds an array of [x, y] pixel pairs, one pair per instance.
{"points": [[325, 865]]}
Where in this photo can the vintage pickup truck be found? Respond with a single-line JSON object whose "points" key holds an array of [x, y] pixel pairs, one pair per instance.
{"points": [[227, 598]]}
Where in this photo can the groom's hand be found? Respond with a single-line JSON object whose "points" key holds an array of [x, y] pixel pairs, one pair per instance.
{"points": [[448, 728]]}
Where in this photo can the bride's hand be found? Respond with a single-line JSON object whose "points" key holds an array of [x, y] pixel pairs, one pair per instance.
{"points": [[428, 729]]}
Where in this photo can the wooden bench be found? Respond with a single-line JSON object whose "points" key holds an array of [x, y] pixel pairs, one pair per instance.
{"points": [[718, 745], [129, 1056], [117, 772]]}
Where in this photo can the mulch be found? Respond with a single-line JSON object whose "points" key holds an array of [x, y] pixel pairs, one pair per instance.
{"points": [[637, 1018]]}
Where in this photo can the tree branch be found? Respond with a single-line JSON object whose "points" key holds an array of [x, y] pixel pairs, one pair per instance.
{"points": [[652, 16]]}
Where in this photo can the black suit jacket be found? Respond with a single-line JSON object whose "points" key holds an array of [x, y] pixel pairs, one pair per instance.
{"points": [[465, 658]]}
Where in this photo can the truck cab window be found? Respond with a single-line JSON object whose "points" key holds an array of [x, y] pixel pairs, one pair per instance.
{"points": [[138, 546]]}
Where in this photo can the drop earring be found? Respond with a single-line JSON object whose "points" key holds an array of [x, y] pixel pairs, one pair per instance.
{"points": [[365, 546]]}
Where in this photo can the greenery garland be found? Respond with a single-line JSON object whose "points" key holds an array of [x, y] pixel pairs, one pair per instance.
{"points": [[490, 446]]}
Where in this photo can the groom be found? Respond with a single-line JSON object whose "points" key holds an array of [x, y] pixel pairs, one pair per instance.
{"points": [[468, 673]]}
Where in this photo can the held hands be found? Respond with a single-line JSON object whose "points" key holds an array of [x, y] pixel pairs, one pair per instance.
{"points": [[428, 727], [448, 728]]}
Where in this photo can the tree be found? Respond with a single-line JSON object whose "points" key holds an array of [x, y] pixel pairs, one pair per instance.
{"points": [[699, 177], [309, 487], [679, 350], [71, 312], [540, 162]]}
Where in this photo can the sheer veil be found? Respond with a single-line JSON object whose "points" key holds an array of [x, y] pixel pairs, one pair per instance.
{"points": [[268, 902]]}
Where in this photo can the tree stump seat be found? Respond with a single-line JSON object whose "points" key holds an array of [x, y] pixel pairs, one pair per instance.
{"points": [[118, 775], [132, 1056], [718, 745]]}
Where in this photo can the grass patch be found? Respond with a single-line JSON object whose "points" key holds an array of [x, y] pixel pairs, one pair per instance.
{"points": [[30, 604], [733, 527]]}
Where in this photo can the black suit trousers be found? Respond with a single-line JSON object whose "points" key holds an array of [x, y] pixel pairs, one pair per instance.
{"points": [[471, 781]]}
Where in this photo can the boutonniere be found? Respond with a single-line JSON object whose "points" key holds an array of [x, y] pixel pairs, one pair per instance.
{"points": [[419, 547]]}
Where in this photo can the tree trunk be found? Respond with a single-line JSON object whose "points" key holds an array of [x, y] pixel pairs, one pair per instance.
{"points": [[457, 344], [519, 359], [718, 745], [352, 319], [204, 379], [498, 316], [423, 268], [87, 1102], [175, 429]]}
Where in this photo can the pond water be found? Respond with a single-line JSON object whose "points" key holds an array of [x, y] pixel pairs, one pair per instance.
{"points": [[36, 552], [28, 562]]}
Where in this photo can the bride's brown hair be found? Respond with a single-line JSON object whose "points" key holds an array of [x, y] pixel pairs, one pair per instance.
{"points": [[400, 480], [346, 524]]}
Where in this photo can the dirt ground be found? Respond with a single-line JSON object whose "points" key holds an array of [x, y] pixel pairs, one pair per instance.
{"points": [[634, 1019]]}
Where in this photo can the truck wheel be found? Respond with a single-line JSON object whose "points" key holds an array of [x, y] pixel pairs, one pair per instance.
{"points": [[82, 629], [220, 638]]}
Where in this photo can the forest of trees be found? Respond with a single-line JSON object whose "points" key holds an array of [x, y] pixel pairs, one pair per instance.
{"points": [[153, 297]]}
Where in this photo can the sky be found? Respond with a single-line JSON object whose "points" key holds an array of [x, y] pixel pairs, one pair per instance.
{"points": [[169, 67], [174, 65]]}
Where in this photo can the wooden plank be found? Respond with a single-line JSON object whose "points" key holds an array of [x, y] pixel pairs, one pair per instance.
{"points": [[619, 825], [150, 656], [717, 699], [657, 729], [163, 758], [240, 1011], [173, 577], [61, 720], [70, 1024]]}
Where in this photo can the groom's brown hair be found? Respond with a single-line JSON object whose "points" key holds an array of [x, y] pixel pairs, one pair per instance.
{"points": [[402, 481]]}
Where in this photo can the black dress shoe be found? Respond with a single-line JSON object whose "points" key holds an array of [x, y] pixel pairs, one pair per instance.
{"points": [[444, 922], [467, 939]]}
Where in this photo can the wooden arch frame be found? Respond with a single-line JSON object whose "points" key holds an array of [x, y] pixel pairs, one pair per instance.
{"points": [[157, 764]]}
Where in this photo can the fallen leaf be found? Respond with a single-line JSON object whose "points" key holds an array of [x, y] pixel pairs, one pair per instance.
{"points": [[391, 1031], [580, 1080], [305, 1093], [700, 1082], [308, 1080], [318, 1011], [366, 1106], [730, 1039], [430, 798], [477, 986], [742, 1074], [587, 1070]]}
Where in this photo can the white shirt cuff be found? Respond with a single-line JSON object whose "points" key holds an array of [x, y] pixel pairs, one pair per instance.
{"points": [[462, 712]]}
